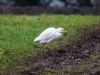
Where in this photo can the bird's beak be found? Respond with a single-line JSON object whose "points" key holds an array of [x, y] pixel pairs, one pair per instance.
{"points": [[65, 30]]}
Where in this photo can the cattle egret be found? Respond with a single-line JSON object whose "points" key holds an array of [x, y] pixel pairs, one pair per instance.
{"points": [[49, 35]]}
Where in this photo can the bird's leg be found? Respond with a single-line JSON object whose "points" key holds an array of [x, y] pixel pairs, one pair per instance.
{"points": [[43, 44], [40, 45]]}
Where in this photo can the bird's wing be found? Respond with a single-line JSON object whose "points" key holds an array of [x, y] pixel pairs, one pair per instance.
{"points": [[46, 34]]}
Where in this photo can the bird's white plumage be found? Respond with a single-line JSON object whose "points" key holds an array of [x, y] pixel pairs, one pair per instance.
{"points": [[49, 34]]}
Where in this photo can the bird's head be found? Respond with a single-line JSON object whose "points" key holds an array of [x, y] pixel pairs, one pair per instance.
{"points": [[61, 30]]}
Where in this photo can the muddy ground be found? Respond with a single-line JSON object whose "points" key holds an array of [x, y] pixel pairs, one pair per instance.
{"points": [[79, 58]]}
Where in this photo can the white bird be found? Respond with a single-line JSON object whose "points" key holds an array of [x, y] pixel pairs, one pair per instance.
{"points": [[49, 35]]}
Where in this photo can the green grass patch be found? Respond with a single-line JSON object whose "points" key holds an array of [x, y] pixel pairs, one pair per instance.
{"points": [[17, 33]]}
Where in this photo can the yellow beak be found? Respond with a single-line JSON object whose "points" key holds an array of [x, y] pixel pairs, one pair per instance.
{"points": [[65, 30]]}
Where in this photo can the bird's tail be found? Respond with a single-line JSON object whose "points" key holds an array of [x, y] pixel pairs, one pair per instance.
{"points": [[36, 40]]}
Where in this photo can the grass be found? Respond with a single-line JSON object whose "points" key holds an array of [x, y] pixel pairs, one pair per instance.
{"points": [[17, 33]]}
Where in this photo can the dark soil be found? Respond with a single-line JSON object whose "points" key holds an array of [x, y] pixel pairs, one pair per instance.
{"points": [[78, 58]]}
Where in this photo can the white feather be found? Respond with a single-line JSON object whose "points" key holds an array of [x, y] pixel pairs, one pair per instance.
{"points": [[49, 34]]}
